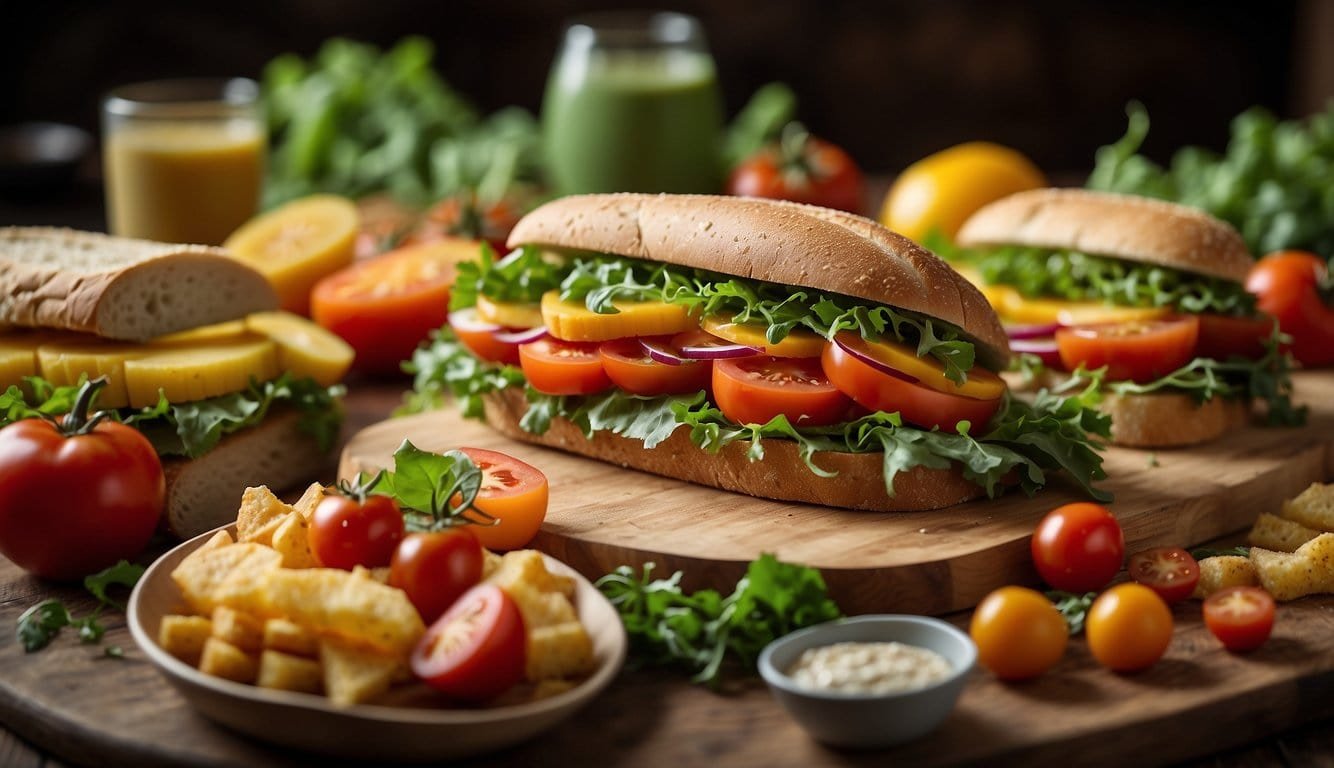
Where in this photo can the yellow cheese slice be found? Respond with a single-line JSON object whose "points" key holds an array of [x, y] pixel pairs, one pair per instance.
{"points": [[228, 331], [304, 348], [64, 363], [185, 374], [510, 314], [1015, 309], [573, 321], [18, 354]]}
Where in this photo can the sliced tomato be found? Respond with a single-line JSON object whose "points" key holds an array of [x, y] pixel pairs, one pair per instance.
{"points": [[1224, 336], [563, 368], [753, 390], [514, 494], [630, 367], [981, 384], [479, 337], [476, 650], [1135, 351], [1169, 571], [878, 390], [798, 343], [387, 305], [1242, 618]]}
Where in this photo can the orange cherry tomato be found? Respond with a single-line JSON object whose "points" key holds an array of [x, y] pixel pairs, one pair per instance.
{"points": [[1240, 617], [753, 390], [1129, 628], [479, 337], [514, 493], [1224, 336], [1018, 632], [563, 367], [1078, 547], [924, 406], [1289, 284], [1135, 351], [630, 367], [387, 305]]}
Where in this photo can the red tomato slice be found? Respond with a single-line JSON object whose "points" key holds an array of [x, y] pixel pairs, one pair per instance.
{"points": [[1223, 336], [476, 650], [514, 493], [631, 368], [387, 305], [563, 367], [1169, 571], [879, 391], [479, 337], [1078, 547], [753, 390], [1137, 351], [434, 569], [1240, 617]]}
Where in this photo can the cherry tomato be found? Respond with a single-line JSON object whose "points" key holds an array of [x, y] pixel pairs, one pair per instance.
{"points": [[387, 305], [1290, 286], [345, 532], [75, 500], [922, 405], [563, 367], [1134, 351], [479, 337], [1240, 617], [1128, 627], [753, 390], [476, 650], [514, 494], [1018, 632], [631, 368], [434, 569], [1078, 547], [1224, 336], [1169, 571], [803, 169]]}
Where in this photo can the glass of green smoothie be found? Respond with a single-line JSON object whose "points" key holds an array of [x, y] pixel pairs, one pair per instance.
{"points": [[632, 105]]}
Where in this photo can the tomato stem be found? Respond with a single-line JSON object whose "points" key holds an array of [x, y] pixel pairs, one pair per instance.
{"points": [[360, 487], [78, 421]]}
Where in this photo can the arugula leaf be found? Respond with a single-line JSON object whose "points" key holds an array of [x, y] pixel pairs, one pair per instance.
{"points": [[1074, 608], [701, 631], [522, 276], [124, 573], [444, 367]]}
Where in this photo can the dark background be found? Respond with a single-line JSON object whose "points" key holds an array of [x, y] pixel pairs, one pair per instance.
{"points": [[891, 80]]}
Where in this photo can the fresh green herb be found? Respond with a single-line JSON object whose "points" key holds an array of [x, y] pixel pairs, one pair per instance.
{"points": [[1074, 608], [1272, 183], [40, 624], [523, 276], [114, 652], [433, 489], [445, 368], [700, 631], [1204, 553], [1153, 461], [758, 123], [1030, 368]]}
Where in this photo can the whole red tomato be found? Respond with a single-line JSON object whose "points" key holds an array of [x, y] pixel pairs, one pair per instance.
{"points": [[355, 529], [1078, 547], [78, 496], [435, 568], [1289, 285], [803, 169]]}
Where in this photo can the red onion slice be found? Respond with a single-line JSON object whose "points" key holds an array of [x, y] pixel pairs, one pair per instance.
{"points": [[1038, 331], [719, 352], [523, 336], [661, 352], [871, 361], [1045, 349]]}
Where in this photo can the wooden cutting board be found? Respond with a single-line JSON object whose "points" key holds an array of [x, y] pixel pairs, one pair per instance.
{"points": [[602, 516]]}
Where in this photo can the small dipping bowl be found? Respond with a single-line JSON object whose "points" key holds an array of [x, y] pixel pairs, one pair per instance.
{"points": [[869, 720]]}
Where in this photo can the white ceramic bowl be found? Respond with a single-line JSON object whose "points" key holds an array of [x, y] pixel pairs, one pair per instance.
{"points": [[870, 720], [373, 732]]}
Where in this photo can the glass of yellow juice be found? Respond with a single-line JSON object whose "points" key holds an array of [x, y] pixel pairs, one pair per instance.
{"points": [[632, 105], [183, 160]]}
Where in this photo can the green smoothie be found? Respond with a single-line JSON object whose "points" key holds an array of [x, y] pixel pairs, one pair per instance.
{"points": [[634, 121]]}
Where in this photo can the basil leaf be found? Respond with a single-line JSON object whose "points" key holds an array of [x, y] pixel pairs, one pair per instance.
{"points": [[440, 486], [124, 573]]}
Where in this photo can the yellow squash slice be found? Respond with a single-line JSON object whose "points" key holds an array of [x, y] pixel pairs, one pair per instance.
{"points": [[195, 373], [1013, 307], [798, 343], [64, 363], [297, 244], [18, 354], [510, 314], [304, 348], [573, 321], [228, 331]]}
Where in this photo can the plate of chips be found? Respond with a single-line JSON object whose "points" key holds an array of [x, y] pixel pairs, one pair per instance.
{"points": [[313, 666]]}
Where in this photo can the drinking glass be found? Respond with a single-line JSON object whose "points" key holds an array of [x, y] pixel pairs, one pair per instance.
{"points": [[632, 105]]}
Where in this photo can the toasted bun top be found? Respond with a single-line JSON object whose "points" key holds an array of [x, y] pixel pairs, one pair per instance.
{"points": [[1121, 226], [775, 241]]}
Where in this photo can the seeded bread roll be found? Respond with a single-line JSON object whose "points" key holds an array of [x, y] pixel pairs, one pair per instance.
{"points": [[1121, 226], [786, 243], [120, 288]]}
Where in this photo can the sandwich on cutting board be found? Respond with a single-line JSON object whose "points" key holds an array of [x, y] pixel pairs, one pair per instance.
{"points": [[764, 347], [1147, 292], [231, 393]]}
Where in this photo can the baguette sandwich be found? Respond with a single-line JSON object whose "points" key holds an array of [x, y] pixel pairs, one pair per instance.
{"points": [[1143, 295], [763, 347], [230, 393]]}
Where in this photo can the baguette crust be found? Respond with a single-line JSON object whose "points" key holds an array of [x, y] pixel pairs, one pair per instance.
{"points": [[776, 241], [1171, 420], [1120, 226], [781, 475], [120, 288]]}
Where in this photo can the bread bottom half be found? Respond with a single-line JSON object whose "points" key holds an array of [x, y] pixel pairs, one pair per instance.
{"points": [[1171, 420], [781, 475]]}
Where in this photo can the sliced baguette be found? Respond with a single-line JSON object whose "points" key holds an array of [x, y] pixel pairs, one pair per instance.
{"points": [[203, 493], [1171, 420], [120, 288], [781, 475]]}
